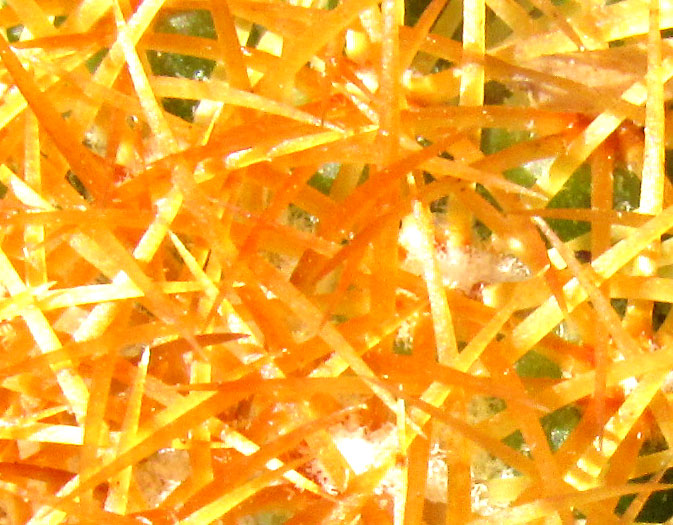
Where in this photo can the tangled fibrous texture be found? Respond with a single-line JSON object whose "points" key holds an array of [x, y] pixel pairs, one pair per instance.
{"points": [[335, 261]]}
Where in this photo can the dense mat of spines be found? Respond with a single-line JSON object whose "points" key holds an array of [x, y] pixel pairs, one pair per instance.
{"points": [[244, 244]]}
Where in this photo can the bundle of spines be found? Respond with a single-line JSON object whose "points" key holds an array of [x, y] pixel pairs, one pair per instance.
{"points": [[335, 261]]}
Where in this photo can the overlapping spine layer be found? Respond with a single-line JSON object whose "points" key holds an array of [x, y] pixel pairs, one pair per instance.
{"points": [[335, 262]]}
